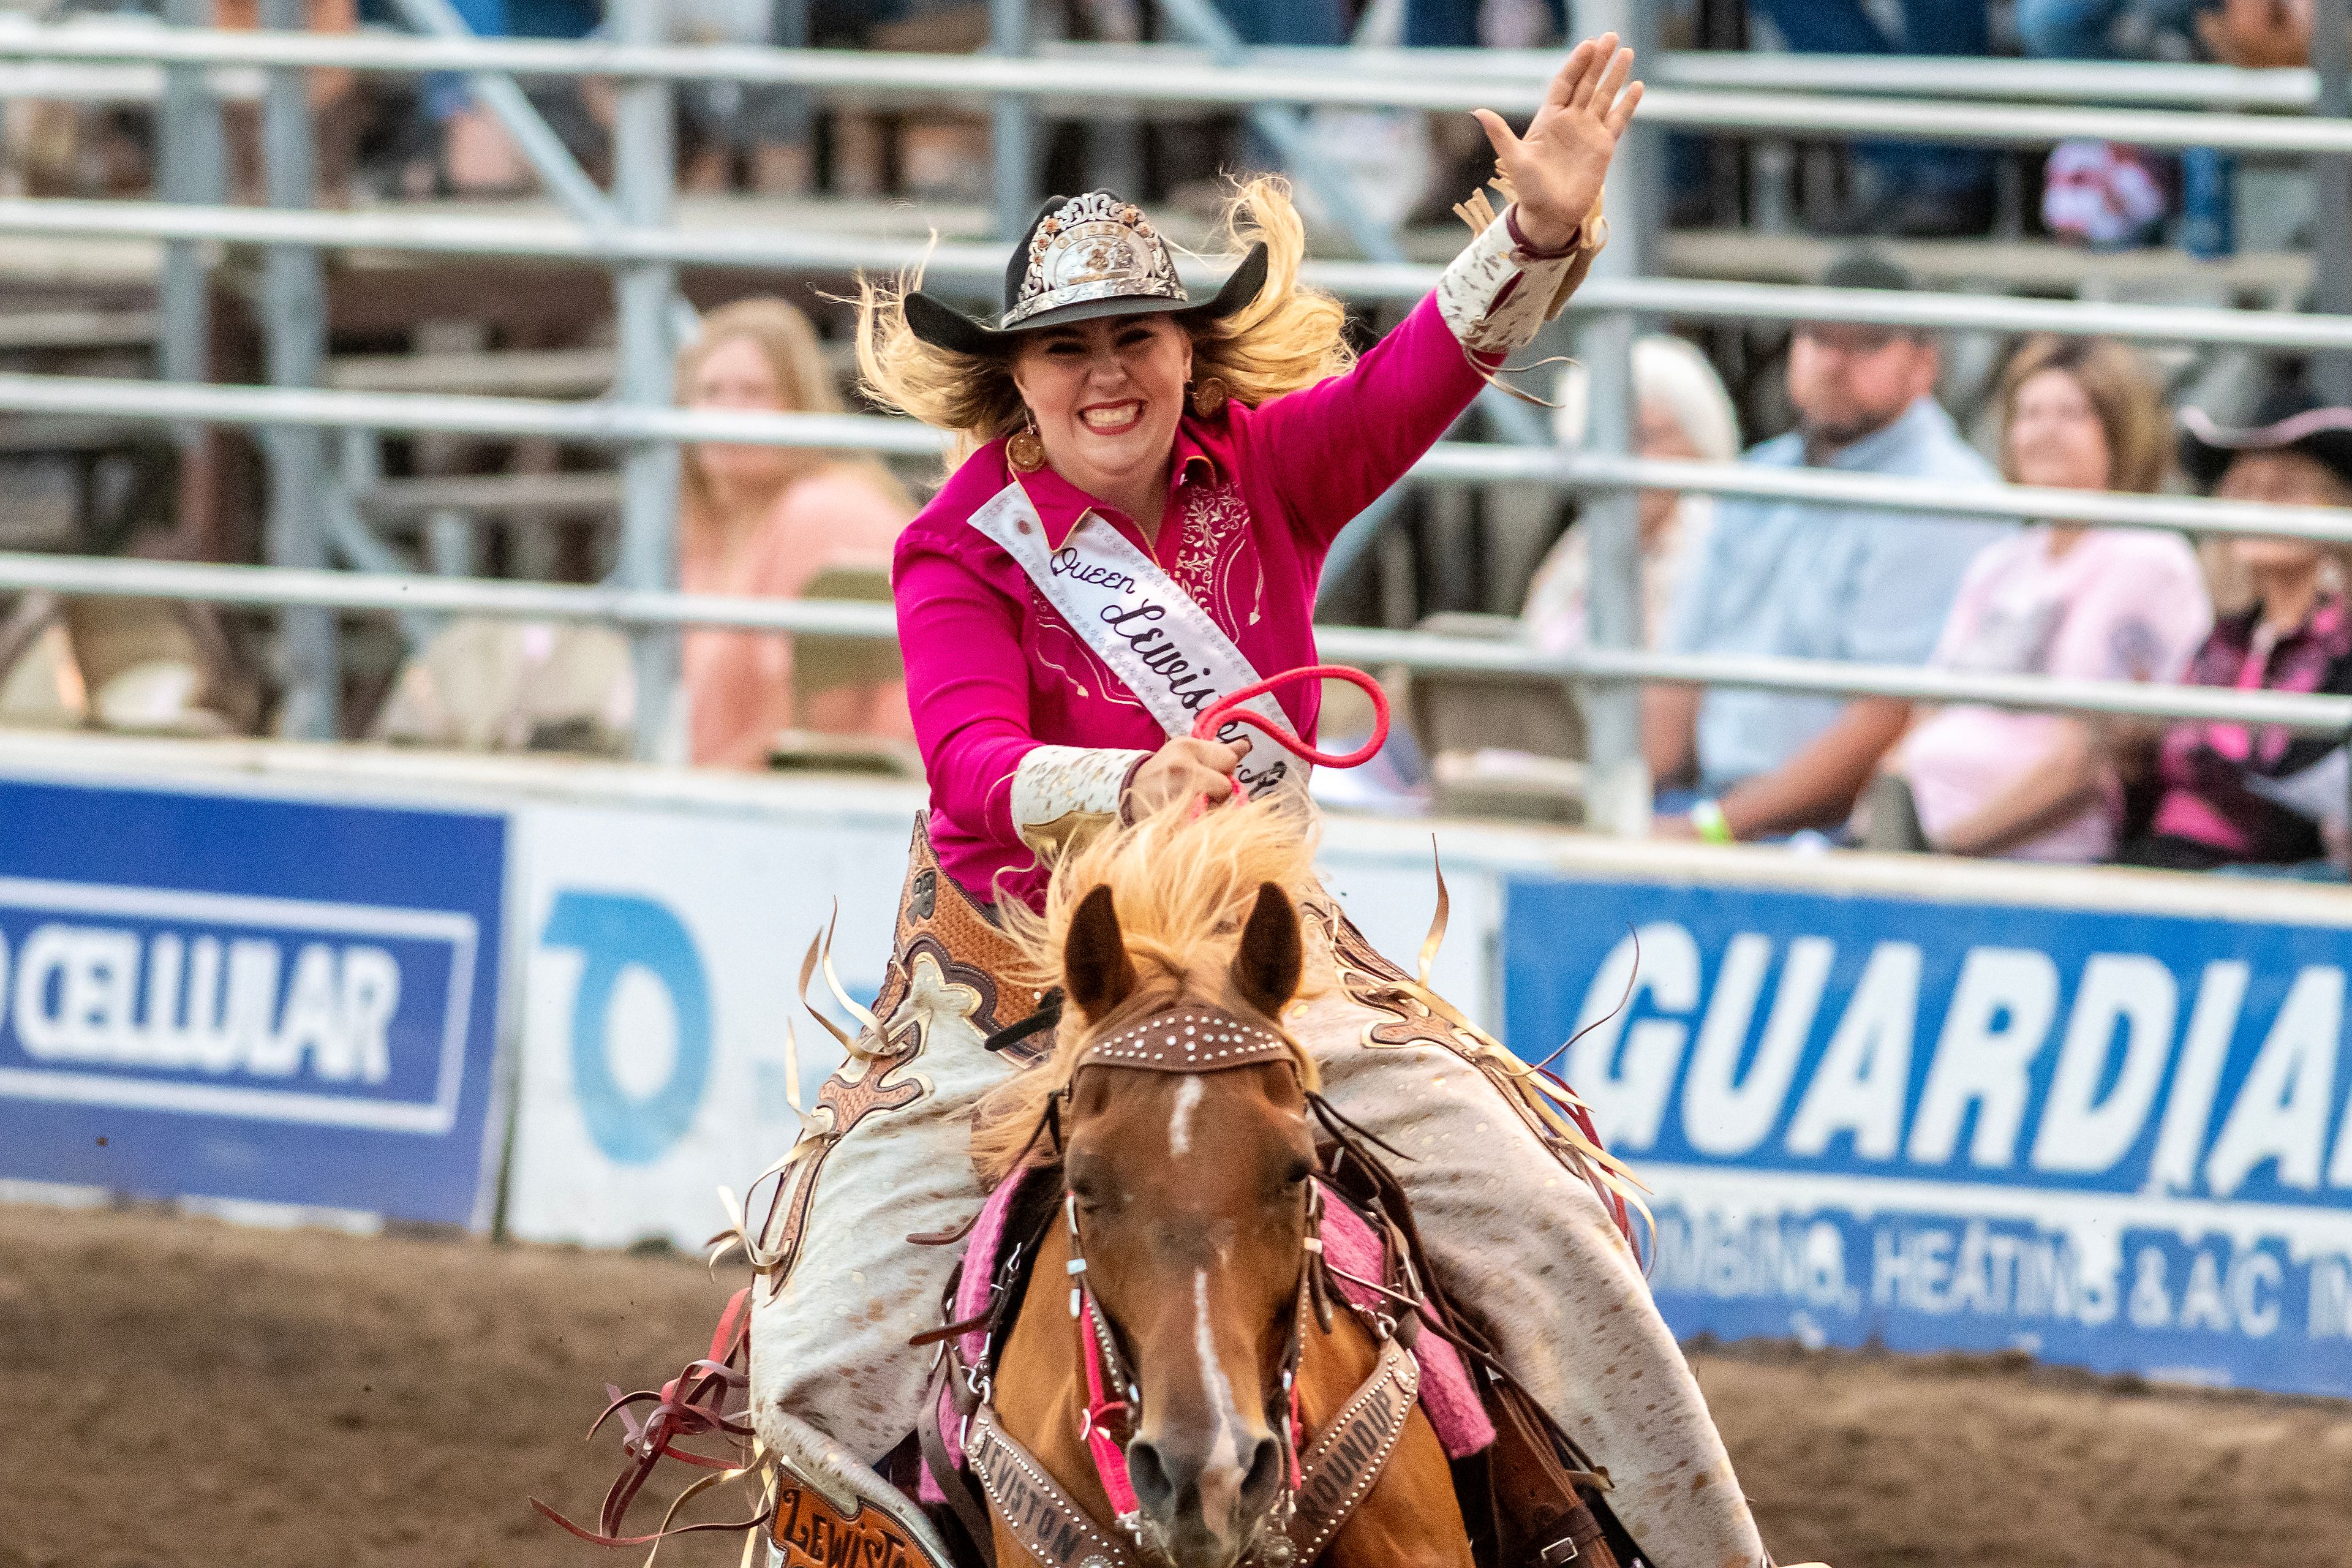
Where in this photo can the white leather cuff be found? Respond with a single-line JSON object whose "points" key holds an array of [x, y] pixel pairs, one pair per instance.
{"points": [[1497, 295], [1065, 793]]}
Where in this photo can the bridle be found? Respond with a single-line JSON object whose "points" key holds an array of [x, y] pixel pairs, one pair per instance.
{"points": [[1187, 1039], [1195, 1039], [1323, 1481], [1109, 1378]]}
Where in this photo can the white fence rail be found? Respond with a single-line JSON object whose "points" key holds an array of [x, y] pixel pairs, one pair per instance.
{"points": [[1050, 84], [284, 588], [1982, 102], [605, 424], [980, 268]]}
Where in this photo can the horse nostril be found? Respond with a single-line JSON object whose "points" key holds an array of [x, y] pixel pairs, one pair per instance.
{"points": [[1146, 1472], [1265, 1476]]}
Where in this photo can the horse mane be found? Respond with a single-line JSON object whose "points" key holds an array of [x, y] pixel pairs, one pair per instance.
{"points": [[1182, 884]]}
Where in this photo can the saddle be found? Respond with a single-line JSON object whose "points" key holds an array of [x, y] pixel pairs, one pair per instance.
{"points": [[1528, 1497]]}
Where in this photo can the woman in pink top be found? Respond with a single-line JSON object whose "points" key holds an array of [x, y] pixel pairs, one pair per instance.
{"points": [[764, 521], [2090, 603], [1148, 489]]}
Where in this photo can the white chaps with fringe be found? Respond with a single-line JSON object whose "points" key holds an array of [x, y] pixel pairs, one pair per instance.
{"points": [[1512, 1224]]}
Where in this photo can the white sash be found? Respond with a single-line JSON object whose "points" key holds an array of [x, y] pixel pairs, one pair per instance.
{"points": [[1151, 633]]}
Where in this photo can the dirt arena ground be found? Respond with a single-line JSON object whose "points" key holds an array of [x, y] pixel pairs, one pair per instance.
{"points": [[181, 1392]]}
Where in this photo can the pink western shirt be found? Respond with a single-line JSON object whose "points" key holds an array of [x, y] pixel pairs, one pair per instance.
{"points": [[1256, 497]]}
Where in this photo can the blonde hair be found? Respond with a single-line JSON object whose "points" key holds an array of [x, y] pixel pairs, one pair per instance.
{"points": [[1288, 337], [795, 357], [1182, 885], [2121, 392]]}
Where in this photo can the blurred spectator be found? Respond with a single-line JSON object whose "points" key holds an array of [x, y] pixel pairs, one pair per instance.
{"points": [[2060, 600], [941, 154], [1684, 413], [2105, 195], [333, 96], [766, 127], [766, 521], [2232, 794], [138, 664], [2258, 34], [1926, 192], [2111, 196], [1312, 24], [1798, 579], [473, 154]]}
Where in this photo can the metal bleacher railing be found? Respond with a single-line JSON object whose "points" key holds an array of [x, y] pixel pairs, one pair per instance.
{"points": [[1988, 102]]}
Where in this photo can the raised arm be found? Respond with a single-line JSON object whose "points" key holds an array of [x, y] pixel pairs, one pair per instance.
{"points": [[1333, 447]]}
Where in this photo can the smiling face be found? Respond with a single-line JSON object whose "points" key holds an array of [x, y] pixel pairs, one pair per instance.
{"points": [[2056, 436], [1106, 395], [736, 374], [2280, 479]]}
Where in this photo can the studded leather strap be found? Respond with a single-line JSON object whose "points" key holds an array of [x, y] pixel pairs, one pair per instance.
{"points": [[1349, 1454], [1341, 1467], [1046, 1520], [1189, 1039]]}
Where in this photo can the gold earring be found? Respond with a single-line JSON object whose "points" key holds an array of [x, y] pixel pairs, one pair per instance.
{"points": [[1025, 451], [1209, 396]]}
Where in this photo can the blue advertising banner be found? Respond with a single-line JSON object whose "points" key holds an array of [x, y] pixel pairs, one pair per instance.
{"points": [[2115, 1140], [221, 997]]}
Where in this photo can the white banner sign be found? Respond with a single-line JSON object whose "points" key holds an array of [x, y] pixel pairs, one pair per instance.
{"points": [[660, 960]]}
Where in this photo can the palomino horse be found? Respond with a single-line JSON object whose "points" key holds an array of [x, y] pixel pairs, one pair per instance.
{"points": [[1188, 1230]]}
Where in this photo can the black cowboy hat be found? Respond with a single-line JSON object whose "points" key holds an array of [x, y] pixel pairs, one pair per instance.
{"points": [[2290, 419], [1083, 258]]}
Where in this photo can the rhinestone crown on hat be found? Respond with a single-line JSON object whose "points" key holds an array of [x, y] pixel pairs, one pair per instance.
{"points": [[1189, 1039], [1094, 247]]}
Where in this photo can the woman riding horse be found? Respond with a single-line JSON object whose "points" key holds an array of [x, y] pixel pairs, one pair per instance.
{"points": [[1150, 489]]}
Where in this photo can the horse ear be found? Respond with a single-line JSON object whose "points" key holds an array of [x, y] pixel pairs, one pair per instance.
{"points": [[1266, 969], [1096, 971]]}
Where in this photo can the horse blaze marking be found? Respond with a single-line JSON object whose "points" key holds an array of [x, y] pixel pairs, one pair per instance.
{"points": [[809, 1534]]}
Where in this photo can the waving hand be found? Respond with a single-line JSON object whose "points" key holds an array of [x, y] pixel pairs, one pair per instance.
{"points": [[1555, 171]]}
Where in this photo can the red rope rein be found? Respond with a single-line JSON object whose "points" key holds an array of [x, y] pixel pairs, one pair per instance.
{"points": [[1229, 708]]}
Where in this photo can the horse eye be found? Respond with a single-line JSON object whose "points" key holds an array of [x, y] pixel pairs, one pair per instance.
{"points": [[1298, 1172]]}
